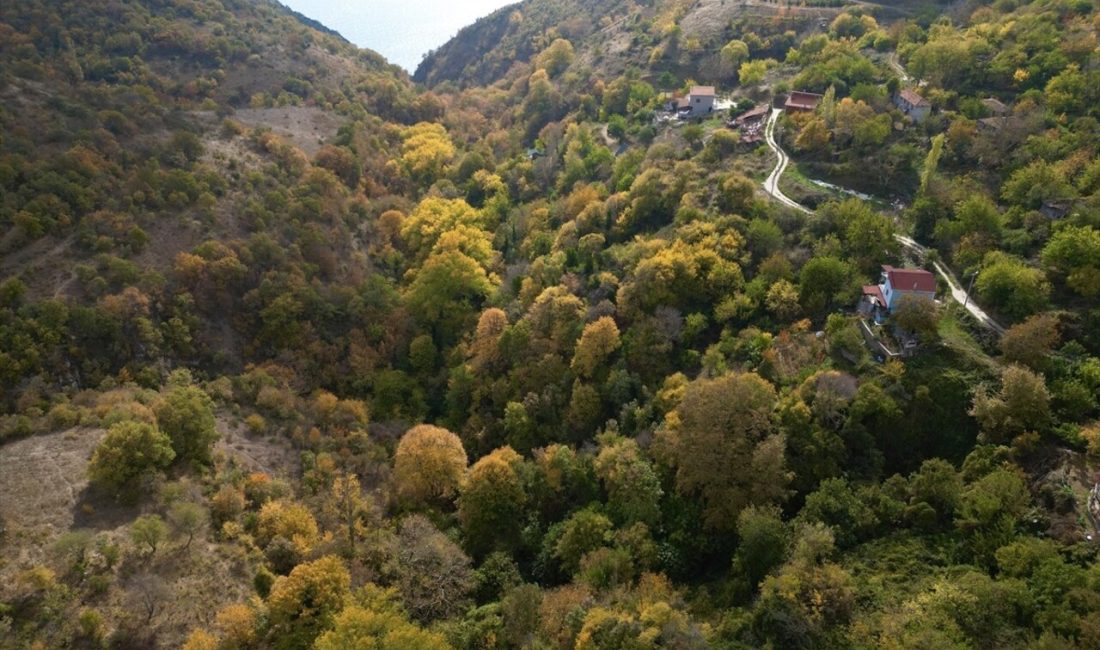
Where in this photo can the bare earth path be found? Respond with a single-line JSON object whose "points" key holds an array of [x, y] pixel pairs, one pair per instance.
{"points": [[771, 186]]}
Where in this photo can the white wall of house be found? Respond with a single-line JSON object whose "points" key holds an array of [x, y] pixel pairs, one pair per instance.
{"points": [[918, 113], [702, 105], [915, 113], [893, 296]]}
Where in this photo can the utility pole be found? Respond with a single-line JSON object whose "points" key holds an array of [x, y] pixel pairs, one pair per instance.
{"points": [[970, 288]]}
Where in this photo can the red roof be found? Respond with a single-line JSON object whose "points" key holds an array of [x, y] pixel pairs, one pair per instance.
{"points": [[702, 91], [754, 113], [910, 279], [913, 98], [802, 101], [875, 292]]}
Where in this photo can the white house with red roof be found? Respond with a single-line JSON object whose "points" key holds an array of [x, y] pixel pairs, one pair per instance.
{"points": [[880, 299], [912, 104]]}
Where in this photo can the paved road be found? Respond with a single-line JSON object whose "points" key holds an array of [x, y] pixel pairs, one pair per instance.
{"points": [[771, 186], [893, 62], [957, 292]]}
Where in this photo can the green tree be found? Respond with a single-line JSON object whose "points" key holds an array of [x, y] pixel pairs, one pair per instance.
{"points": [[186, 414], [1010, 286], [920, 316], [736, 193], [751, 73], [782, 301], [868, 235], [989, 511], [1037, 182], [763, 542], [556, 57], [807, 598], [814, 136], [1074, 254], [542, 102], [734, 54], [693, 134], [931, 162], [835, 504], [583, 532], [130, 452], [1067, 92], [856, 123], [731, 418], [633, 487], [1023, 404], [446, 292], [934, 492], [148, 531], [188, 519], [491, 505], [824, 281]]}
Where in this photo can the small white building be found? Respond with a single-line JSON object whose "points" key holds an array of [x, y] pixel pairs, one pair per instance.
{"points": [[912, 104], [701, 100]]}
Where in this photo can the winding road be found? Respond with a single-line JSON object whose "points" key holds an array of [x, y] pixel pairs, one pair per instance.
{"points": [[771, 186]]}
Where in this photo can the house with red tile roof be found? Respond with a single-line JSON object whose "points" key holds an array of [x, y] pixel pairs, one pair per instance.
{"points": [[880, 299], [912, 104], [802, 101]]}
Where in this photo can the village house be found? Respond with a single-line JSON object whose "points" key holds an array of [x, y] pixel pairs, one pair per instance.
{"points": [[752, 116], [751, 123], [995, 107], [701, 100], [997, 123], [912, 104], [1055, 209], [881, 299], [802, 101]]}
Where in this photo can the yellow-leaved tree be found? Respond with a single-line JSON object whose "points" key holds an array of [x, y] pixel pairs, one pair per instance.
{"points": [[599, 340], [303, 604], [427, 147], [429, 465]]}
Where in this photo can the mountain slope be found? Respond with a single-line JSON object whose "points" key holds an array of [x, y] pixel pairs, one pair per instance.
{"points": [[136, 131], [295, 354], [679, 36]]}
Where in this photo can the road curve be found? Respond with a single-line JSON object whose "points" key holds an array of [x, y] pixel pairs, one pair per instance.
{"points": [[771, 186]]}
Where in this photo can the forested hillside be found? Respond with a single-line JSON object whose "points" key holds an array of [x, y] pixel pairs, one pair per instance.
{"points": [[298, 352]]}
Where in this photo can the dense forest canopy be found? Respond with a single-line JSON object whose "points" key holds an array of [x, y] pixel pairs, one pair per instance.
{"points": [[297, 351]]}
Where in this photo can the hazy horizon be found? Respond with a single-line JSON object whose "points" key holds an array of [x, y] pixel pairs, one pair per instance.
{"points": [[403, 31]]}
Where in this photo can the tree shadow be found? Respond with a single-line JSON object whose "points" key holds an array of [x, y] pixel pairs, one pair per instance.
{"points": [[96, 508]]}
